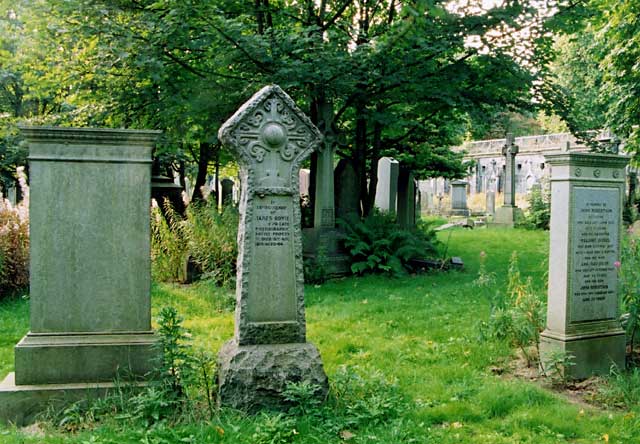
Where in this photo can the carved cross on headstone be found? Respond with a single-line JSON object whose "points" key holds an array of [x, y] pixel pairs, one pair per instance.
{"points": [[272, 137], [510, 150]]}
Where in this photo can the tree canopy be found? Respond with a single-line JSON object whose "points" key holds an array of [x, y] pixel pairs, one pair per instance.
{"points": [[378, 77], [594, 82]]}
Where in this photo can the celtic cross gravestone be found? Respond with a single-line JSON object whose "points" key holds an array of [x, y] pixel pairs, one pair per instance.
{"points": [[509, 213], [271, 137]]}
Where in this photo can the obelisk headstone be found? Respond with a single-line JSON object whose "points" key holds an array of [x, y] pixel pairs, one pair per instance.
{"points": [[271, 137], [508, 214], [587, 193]]}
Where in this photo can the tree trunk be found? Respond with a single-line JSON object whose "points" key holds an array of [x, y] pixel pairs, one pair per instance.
{"points": [[360, 155], [201, 178], [373, 168]]}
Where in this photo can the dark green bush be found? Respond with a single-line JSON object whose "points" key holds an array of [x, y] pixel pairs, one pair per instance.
{"points": [[539, 213], [378, 245]]}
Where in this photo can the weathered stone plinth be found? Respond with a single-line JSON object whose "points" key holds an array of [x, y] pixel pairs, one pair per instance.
{"points": [[90, 267], [591, 354], [322, 244], [21, 404], [586, 220], [253, 377], [60, 359], [507, 216]]}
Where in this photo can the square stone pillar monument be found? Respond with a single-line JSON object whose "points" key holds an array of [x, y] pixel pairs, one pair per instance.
{"points": [[90, 268], [587, 192], [509, 213], [271, 137], [459, 198]]}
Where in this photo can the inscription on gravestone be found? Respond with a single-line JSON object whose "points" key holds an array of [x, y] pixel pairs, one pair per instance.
{"points": [[272, 292], [594, 251]]}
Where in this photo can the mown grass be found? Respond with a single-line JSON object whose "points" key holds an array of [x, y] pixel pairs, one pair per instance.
{"points": [[420, 331]]}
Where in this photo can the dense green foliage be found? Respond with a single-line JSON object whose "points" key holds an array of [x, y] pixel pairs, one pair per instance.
{"points": [[629, 271], [204, 238], [538, 215], [595, 78], [14, 244], [398, 78], [377, 244]]}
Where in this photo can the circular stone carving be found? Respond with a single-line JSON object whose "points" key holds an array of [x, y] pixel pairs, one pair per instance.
{"points": [[578, 172], [616, 174], [596, 173], [274, 134]]}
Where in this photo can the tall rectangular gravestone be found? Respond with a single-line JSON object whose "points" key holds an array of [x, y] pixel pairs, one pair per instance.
{"points": [[387, 188], [459, 198], [271, 137], [406, 205], [587, 193], [90, 266]]}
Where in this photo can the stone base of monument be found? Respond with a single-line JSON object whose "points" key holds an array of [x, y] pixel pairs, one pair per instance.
{"points": [[253, 377], [507, 216], [69, 358], [593, 354], [460, 212], [323, 244], [21, 404]]}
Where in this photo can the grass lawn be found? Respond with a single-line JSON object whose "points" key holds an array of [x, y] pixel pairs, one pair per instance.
{"points": [[420, 332]]}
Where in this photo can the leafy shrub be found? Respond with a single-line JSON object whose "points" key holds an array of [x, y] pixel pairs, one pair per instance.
{"points": [[621, 389], [274, 429], [539, 213], [517, 315], [629, 278], [315, 268], [204, 236], [378, 245], [14, 242], [169, 252], [212, 240], [363, 397]]}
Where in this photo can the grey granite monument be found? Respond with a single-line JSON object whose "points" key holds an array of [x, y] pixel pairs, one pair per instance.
{"points": [[387, 188], [587, 193], [459, 198], [490, 203], [271, 137], [347, 190], [89, 266], [226, 195], [509, 213]]}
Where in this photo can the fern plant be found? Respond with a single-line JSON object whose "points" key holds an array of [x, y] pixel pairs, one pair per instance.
{"points": [[377, 244]]}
